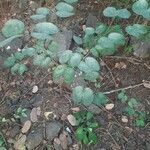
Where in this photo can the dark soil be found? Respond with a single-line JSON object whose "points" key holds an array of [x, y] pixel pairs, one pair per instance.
{"points": [[113, 134]]}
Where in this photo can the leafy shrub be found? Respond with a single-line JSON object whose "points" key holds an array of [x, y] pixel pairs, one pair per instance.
{"points": [[84, 132]]}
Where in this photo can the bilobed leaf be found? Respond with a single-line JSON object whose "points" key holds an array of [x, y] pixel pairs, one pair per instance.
{"points": [[42, 11], [110, 12], [75, 59], [94, 52], [140, 6], [100, 99], [40, 36], [100, 29], [146, 14], [77, 94], [69, 75], [58, 72], [62, 6], [13, 27], [10, 61], [64, 14], [88, 96], [136, 30], [117, 38], [65, 56], [77, 40]]}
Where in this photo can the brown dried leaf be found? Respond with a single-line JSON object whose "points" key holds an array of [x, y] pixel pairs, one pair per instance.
{"points": [[26, 126], [120, 65], [63, 140], [20, 142]]}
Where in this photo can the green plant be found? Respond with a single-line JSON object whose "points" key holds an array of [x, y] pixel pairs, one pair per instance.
{"points": [[86, 96], [131, 109], [2, 142], [20, 113], [85, 125]]}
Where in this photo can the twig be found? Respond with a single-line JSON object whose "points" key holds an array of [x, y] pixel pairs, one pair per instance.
{"points": [[125, 88]]}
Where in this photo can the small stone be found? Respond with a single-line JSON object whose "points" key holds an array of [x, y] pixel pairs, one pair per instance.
{"points": [[63, 140], [75, 109], [26, 127], [109, 106], [91, 21], [35, 89], [124, 119], [34, 139], [52, 130]]}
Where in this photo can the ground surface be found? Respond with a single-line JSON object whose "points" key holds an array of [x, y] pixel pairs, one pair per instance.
{"points": [[113, 134]]}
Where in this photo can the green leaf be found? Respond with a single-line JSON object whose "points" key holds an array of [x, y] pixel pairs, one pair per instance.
{"points": [[77, 94], [85, 139], [42, 11], [89, 31], [37, 17], [64, 14], [89, 116], [130, 111], [117, 38], [122, 96], [62, 6], [10, 61], [140, 6], [93, 125], [75, 59], [46, 62], [22, 68], [132, 103], [15, 68], [77, 40], [123, 13], [91, 75], [58, 72], [19, 55], [71, 1], [100, 99], [92, 63], [45, 28], [92, 137], [40, 36], [79, 133], [69, 75], [101, 29], [110, 12], [13, 27], [88, 96], [65, 56], [28, 51], [94, 52], [136, 30], [38, 59]]}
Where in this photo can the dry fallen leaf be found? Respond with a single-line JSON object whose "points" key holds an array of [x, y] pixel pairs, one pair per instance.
{"points": [[75, 109], [109, 106], [120, 65], [124, 119], [35, 89], [72, 120], [26, 126], [19, 144], [63, 140], [33, 115], [46, 114]]}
